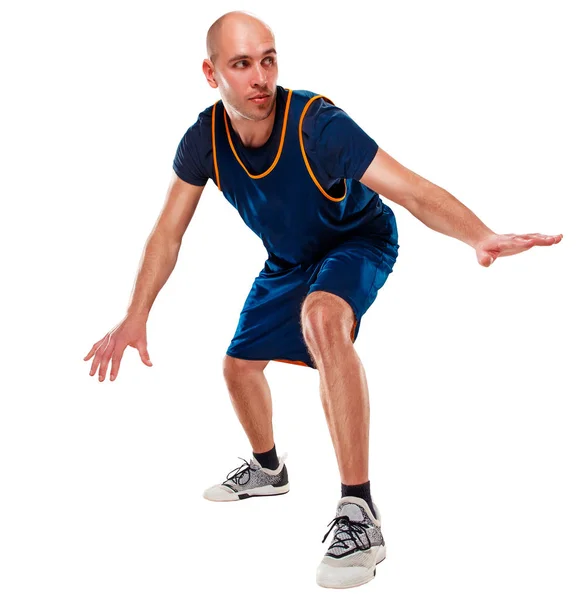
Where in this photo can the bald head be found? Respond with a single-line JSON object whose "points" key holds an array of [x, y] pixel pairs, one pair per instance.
{"points": [[232, 24]]}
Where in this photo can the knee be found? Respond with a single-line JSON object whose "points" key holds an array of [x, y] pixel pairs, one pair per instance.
{"points": [[326, 319], [235, 369]]}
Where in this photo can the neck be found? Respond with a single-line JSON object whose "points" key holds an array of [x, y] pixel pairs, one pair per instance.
{"points": [[252, 134]]}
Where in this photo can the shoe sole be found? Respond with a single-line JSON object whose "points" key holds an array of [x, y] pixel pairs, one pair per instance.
{"points": [[267, 490], [380, 553]]}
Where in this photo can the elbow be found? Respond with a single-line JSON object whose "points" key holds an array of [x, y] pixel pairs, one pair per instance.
{"points": [[169, 239], [418, 195], [411, 192], [409, 201]]}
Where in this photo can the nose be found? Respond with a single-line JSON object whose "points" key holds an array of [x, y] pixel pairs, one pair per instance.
{"points": [[259, 76]]}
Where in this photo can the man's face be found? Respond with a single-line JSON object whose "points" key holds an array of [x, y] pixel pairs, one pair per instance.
{"points": [[247, 67]]}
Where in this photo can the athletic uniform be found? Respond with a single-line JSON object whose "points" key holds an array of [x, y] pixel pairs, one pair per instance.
{"points": [[321, 232]]}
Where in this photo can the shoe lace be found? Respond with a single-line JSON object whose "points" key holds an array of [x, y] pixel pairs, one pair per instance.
{"points": [[353, 531], [237, 474]]}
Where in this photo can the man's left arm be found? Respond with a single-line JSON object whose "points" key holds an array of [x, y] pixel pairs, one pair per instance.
{"points": [[442, 212]]}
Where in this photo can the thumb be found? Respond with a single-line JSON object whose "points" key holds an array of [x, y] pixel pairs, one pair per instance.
{"points": [[486, 260], [142, 348]]}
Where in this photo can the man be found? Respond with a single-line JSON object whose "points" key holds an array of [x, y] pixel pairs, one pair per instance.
{"points": [[307, 180]]}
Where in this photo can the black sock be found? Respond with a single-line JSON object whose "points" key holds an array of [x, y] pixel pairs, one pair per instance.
{"points": [[361, 490], [268, 460]]}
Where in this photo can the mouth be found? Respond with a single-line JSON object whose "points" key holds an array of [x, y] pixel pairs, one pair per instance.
{"points": [[260, 98]]}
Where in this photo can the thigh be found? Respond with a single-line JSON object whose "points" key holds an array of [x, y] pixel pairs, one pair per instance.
{"points": [[355, 270], [269, 327]]}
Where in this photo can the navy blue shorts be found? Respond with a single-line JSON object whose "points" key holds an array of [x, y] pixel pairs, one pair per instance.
{"points": [[270, 322]]}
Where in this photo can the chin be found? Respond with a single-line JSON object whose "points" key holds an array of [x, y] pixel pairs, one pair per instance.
{"points": [[260, 113]]}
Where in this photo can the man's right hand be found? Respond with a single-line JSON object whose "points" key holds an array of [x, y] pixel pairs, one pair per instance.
{"points": [[131, 331]]}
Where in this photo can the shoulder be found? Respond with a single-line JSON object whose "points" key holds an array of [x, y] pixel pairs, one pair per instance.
{"points": [[202, 126], [335, 140], [306, 94], [319, 112], [193, 157], [308, 97]]}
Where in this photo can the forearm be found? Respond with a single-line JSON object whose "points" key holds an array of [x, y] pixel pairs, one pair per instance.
{"points": [[444, 213], [157, 262]]}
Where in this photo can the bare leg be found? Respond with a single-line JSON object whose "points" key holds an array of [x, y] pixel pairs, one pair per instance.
{"points": [[327, 324], [250, 396]]}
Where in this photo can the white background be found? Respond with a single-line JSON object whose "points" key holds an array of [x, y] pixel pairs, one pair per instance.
{"points": [[475, 410]]}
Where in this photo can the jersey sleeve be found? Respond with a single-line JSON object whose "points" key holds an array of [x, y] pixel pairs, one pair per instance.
{"points": [[341, 147], [193, 158]]}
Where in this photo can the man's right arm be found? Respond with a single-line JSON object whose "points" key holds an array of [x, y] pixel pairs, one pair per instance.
{"points": [[163, 245]]}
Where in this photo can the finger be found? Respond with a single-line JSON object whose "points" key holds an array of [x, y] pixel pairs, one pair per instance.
{"points": [[486, 260], [548, 240], [97, 358], [513, 237], [552, 239], [539, 235], [517, 246], [99, 355], [105, 359], [541, 241], [514, 243], [116, 361], [524, 241], [142, 348], [93, 350]]}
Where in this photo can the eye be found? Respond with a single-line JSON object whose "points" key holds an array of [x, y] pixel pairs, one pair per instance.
{"points": [[270, 58], [239, 63]]}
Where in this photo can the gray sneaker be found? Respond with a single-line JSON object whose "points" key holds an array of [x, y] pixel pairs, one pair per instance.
{"points": [[357, 546], [250, 479]]}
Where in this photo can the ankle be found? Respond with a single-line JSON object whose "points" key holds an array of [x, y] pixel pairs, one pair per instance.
{"points": [[267, 460], [361, 490]]}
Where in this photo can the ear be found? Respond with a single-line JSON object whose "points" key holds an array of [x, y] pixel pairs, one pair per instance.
{"points": [[208, 69]]}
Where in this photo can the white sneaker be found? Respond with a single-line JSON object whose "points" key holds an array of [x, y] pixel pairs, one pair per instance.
{"points": [[357, 546], [250, 479]]}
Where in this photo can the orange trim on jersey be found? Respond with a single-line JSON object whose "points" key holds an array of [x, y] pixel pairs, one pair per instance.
{"points": [[282, 136], [292, 362], [214, 145], [305, 154]]}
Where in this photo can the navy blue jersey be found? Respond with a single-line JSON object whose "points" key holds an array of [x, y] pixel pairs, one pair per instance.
{"points": [[297, 220], [336, 146]]}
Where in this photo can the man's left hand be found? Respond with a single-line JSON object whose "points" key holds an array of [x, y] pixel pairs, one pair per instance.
{"points": [[493, 246]]}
